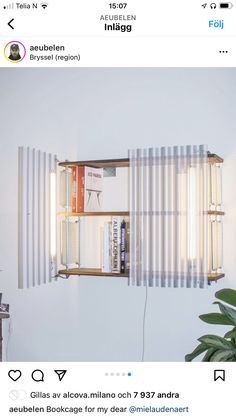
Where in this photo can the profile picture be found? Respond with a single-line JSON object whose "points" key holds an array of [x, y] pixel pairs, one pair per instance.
{"points": [[15, 51]]}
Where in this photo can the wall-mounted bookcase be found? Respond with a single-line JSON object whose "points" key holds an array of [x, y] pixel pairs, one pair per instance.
{"points": [[55, 237], [215, 214]]}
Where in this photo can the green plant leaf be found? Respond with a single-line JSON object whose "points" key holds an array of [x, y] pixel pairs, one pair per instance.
{"points": [[216, 348], [227, 295], [223, 356], [217, 342], [229, 312], [197, 351], [216, 318], [209, 354], [231, 334]]}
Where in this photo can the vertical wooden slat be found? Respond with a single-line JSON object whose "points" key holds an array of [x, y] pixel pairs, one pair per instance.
{"points": [[150, 218], [22, 228], [157, 186], [170, 217], [39, 218], [30, 216], [138, 219], [20, 220], [49, 274], [132, 193], [144, 202], [45, 214], [176, 191], [27, 216], [36, 218], [33, 218]]}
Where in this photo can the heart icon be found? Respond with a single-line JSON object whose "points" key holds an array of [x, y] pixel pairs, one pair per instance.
{"points": [[14, 374]]}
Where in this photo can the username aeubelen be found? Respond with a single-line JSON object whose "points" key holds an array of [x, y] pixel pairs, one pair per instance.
{"points": [[47, 47]]}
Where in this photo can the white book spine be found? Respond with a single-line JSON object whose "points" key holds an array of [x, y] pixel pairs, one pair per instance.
{"points": [[116, 241], [106, 248]]}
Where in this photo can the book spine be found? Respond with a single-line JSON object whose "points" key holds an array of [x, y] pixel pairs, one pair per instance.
{"points": [[127, 247], [122, 247], [106, 248], [116, 223], [74, 190], [80, 189]]}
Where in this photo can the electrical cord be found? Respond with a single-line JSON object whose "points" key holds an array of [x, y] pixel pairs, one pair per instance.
{"points": [[144, 321]]}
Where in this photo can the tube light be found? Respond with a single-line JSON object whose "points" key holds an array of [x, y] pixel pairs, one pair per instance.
{"points": [[192, 213], [182, 186], [213, 186], [53, 214], [218, 186], [219, 243]]}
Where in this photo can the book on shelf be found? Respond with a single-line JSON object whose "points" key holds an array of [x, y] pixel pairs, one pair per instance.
{"points": [[127, 246], [80, 188], [106, 247], [115, 244], [122, 246], [87, 185], [74, 201]]}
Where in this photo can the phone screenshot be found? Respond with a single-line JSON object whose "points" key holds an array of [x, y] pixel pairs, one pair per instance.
{"points": [[118, 209]]}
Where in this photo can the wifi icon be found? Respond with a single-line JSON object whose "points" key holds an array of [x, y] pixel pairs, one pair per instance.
{"points": [[44, 5]]}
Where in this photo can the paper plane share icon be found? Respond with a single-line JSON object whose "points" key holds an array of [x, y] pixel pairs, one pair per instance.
{"points": [[60, 373]]}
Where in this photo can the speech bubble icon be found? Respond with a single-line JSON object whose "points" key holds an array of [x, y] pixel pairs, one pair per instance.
{"points": [[37, 375]]}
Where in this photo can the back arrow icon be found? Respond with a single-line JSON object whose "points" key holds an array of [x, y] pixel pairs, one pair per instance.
{"points": [[9, 23]]}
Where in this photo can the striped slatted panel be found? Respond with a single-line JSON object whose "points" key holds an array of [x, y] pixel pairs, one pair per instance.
{"points": [[168, 216], [35, 261]]}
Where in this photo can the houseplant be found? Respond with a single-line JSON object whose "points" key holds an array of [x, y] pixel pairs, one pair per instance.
{"points": [[217, 348]]}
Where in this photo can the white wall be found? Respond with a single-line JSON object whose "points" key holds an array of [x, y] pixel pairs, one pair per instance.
{"points": [[100, 113]]}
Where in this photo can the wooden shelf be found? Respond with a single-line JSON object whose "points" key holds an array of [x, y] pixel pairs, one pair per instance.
{"points": [[113, 213], [215, 212], [98, 272], [89, 272], [97, 163], [215, 277], [212, 158], [94, 214]]}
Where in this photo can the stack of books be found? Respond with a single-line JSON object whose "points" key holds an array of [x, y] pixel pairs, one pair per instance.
{"points": [[115, 245]]}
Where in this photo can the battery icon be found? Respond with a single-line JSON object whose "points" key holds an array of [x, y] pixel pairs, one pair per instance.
{"points": [[226, 5]]}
